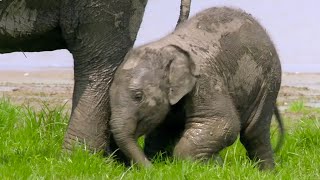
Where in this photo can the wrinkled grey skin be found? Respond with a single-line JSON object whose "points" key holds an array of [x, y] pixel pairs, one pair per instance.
{"points": [[98, 33], [215, 77]]}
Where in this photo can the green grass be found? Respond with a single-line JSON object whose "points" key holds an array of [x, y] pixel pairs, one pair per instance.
{"points": [[297, 106], [30, 148]]}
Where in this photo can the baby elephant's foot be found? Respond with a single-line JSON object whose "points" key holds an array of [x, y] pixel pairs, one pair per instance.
{"points": [[193, 152]]}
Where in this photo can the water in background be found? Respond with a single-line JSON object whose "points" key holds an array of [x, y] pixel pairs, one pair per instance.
{"points": [[63, 59]]}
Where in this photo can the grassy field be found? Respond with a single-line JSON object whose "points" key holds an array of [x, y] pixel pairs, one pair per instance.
{"points": [[30, 148]]}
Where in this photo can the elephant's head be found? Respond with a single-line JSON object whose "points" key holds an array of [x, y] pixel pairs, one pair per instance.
{"points": [[144, 87]]}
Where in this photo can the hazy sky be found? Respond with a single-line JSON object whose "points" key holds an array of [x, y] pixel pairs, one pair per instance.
{"points": [[293, 25]]}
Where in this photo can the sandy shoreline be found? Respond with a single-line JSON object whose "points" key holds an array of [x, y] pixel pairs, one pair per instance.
{"points": [[44, 76], [55, 85], [33, 87]]}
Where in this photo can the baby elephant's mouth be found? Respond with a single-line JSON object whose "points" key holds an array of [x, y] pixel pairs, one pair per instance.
{"points": [[137, 135], [140, 131], [143, 128]]}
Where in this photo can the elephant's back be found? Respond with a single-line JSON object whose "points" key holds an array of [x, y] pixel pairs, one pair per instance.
{"points": [[230, 46], [220, 35], [227, 40], [246, 59]]}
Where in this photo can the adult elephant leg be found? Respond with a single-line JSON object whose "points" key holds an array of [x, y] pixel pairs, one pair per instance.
{"points": [[99, 34]]}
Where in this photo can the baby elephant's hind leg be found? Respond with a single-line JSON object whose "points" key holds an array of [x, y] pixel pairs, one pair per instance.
{"points": [[256, 135]]}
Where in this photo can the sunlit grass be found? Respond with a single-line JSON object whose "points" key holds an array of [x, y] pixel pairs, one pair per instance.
{"points": [[31, 141], [297, 106]]}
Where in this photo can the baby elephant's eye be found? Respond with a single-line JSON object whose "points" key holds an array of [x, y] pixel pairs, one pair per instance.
{"points": [[137, 96]]}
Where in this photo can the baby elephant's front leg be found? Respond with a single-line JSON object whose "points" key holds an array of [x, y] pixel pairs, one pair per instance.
{"points": [[204, 137]]}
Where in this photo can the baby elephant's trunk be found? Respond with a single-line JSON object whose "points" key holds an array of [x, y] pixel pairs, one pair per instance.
{"points": [[123, 131]]}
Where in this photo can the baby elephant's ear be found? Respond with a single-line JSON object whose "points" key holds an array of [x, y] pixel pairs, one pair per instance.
{"points": [[182, 74]]}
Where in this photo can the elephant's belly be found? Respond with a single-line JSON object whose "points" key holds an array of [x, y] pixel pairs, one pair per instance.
{"points": [[247, 101], [30, 26], [48, 41]]}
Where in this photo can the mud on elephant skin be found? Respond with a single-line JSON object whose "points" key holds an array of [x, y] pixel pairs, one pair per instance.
{"points": [[98, 34], [215, 77]]}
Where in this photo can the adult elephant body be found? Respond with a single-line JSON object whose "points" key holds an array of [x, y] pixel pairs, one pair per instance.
{"points": [[216, 76], [98, 34]]}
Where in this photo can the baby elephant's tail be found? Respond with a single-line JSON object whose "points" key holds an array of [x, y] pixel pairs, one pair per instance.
{"points": [[281, 129]]}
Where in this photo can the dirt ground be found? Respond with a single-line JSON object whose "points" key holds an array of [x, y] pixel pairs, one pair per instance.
{"points": [[300, 87], [34, 87], [55, 85]]}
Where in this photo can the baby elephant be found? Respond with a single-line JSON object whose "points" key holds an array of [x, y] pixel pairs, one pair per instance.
{"points": [[215, 77]]}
